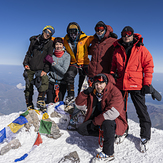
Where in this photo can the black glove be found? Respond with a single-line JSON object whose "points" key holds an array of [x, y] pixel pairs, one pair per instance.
{"points": [[146, 89], [26, 78], [156, 95], [92, 127], [89, 90]]}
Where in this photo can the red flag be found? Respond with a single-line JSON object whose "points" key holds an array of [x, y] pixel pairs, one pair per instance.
{"points": [[38, 140]]}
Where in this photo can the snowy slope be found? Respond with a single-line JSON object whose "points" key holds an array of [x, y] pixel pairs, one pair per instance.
{"points": [[52, 151]]}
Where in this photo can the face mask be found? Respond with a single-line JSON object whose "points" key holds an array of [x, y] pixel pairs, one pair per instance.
{"points": [[73, 36]]}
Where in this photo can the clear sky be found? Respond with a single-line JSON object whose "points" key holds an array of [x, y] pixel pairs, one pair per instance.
{"points": [[21, 19]]}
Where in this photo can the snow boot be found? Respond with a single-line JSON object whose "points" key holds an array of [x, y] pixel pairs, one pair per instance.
{"points": [[41, 102], [29, 102], [120, 139], [102, 157], [70, 98], [144, 145]]}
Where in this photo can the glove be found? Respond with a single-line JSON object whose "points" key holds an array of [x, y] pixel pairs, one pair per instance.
{"points": [[146, 89], [92, 127], [49, 59], [89, 90], [156, 95]]}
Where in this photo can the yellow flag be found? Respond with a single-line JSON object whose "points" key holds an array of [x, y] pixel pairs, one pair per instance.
{"points": [[14, 127]]}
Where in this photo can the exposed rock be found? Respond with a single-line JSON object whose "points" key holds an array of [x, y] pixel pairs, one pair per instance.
{"points": [[71, 158], [54, 114], [13, 144], [32, 120], [55, 132]]}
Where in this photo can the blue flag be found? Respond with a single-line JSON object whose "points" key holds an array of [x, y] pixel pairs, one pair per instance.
{"points": [[2, 135], [20, 120]]}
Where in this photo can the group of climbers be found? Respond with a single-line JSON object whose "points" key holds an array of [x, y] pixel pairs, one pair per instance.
{"points": [[118, 67]]}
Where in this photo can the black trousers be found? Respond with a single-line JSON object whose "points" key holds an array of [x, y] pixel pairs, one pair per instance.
{"points": [[72, 72], [51, 92], [141, 109], [109, 132]]}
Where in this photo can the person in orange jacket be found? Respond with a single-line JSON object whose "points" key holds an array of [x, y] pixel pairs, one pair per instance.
{"points": [[133, 65], [76, 43]]}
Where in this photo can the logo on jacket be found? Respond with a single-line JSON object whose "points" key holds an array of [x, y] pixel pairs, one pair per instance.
{"points": [[133, 86]]}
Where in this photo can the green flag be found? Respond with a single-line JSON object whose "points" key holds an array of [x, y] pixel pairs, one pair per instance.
{"points": [[45, 127]]}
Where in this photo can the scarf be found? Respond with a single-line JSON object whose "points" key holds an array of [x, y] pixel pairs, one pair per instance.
{"points": [[58, 53]]}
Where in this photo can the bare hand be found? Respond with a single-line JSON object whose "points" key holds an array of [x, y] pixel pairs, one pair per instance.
{"points": [[43, 73], [27, 67]]}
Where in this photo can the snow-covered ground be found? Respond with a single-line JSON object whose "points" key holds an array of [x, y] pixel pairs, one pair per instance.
{"points": [[53, 150]]}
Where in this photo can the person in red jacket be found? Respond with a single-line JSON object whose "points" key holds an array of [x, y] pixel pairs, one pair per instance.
{"points": [[133, 64], [101, 50], [103, 103]]}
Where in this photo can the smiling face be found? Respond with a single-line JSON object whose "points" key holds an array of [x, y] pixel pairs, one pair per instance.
{"points": [[58, 46], [127, 38], [47, 34], [99, 86]]}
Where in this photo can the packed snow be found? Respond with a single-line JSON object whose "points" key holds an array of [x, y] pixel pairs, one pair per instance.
{"points": [[53, 150]]}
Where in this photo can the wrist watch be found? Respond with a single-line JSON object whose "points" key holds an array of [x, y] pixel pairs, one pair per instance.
{"points": [[53, 64]]}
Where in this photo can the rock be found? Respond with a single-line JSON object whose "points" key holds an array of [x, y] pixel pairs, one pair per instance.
{"points": [[55, 132], [13, 144], [32, 120], [54, 114], [71, 158]]}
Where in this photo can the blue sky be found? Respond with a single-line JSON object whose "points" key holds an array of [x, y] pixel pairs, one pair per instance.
{"points": [[21, 19]]}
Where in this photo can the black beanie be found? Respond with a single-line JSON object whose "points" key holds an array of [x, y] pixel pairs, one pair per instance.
{"points": [[100, 24], [127, 28], [58, 39]]}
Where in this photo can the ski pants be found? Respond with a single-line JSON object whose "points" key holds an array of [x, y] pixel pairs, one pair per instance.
{"points": [[72, 72], [44, 84], [51, 92], [108, 128], [141, 109]]}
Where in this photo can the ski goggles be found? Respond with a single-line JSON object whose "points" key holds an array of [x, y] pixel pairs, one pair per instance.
{"points": [[73, 31], [47, 32], [98, 79], [128, 33], [97, 29]]}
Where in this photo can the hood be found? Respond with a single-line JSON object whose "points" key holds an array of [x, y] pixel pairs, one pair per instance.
{"points": [[109, 30], [110, 78]]}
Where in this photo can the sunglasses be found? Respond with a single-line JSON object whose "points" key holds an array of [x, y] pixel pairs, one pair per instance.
{"points": [[97, 29], [47, 32], [128, 33], [73, 31], [99, 79]]}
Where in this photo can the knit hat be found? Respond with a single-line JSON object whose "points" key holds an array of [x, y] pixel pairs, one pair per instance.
{"points": [[58, 39], [73, 26], [100, 24], [51, 28], [127, 28], [100, 78]]}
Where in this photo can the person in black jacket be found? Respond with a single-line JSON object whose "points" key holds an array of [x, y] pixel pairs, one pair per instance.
{"points": [[40, 46]]}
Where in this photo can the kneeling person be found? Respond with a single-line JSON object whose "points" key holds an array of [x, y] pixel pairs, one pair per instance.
{"points": [[104, 105]]}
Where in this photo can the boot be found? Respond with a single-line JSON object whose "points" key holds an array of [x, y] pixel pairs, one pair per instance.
{"points": [[41, 101], [70, 97], [29, 102]]}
